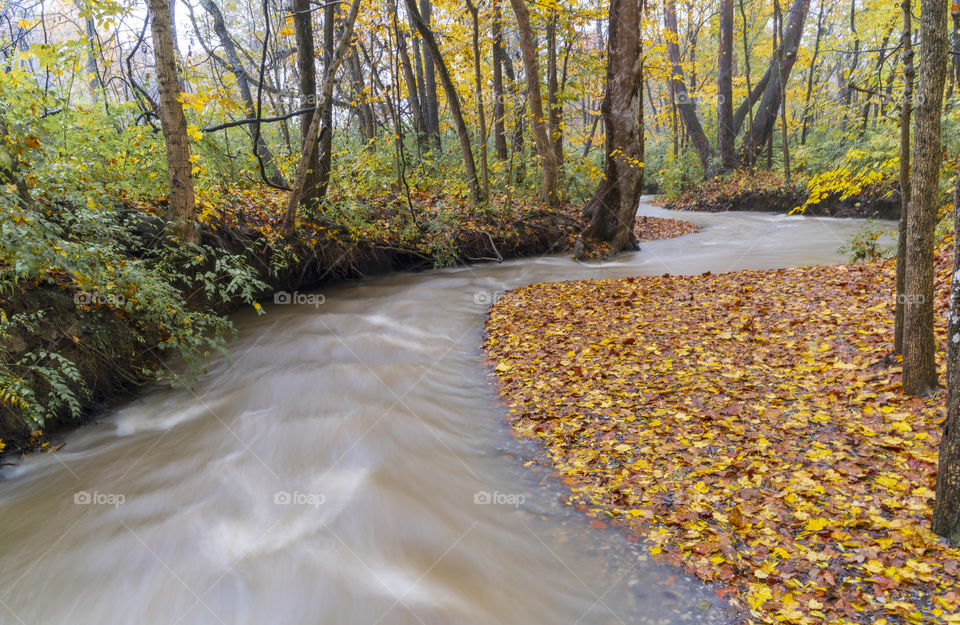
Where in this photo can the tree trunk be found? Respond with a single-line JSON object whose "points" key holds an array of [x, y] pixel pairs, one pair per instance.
{"points": [[368, 127], [807, 117], [303, 30], [478, 93], [323, 103], [745, 109], [93, 71], [541, 137], [325, 166], [554, 111], [946, 508], [955, 49], [783, 99], [182, 209], [919, 368], [613, 208], [413, 100], [779, 72], [260, 145], [725, 136], [685, 104], [516, 145], [453, 100], [499, 110], [431, 103], [906, 108]]}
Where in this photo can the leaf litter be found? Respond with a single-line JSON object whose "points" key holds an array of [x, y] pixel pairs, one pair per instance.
{"points": [[749, 426]]}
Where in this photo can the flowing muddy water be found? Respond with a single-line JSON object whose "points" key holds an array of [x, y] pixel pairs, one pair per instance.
{"points": [[350, 465]]}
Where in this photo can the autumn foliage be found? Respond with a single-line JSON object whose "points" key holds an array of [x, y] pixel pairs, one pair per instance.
{"points": [[743, 426]]}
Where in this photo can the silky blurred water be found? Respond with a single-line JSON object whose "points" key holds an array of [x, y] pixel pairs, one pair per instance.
{"points": [[350, 465]]}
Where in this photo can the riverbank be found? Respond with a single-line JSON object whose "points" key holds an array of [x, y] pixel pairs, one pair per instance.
{"points": [[76, 349], [768, 192], [748, 426]]}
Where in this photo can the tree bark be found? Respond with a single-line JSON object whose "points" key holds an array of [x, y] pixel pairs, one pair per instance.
{"points": [[325, 166], [955, 49], [745, 109], [478, 93], [306, 68], [807, 117], [919, 367], [453, 99], [946, 508], [182, 209], [368, 127], [685, 104], [236, 68], [413, 99], [313, 133], [431, 102], [541, 137], [725, 134], [783, 99], [613, 209], [906, 108], [499, 110], [779, 73], [554, 110]]}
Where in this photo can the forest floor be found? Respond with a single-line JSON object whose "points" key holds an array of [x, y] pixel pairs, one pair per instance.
{"points": [[748, 426]]}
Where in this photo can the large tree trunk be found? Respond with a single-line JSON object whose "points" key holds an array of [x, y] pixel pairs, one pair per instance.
{"points": [[955, 49], [613, 208], [325, 166], [685, 104], [453, 99], [946, 509], [906, 108], [182, 209], [260, 145], [745, 110], [541, 137], [499, 110], [919, 368], [313, 133], [779, 72], [303, 30], [478, 93], [783, 98], [554, 108], [725, 134], [431, 103]]}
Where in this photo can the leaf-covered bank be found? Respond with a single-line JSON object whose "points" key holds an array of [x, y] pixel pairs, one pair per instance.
{"points": [[768, 192], [748, 426]]}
